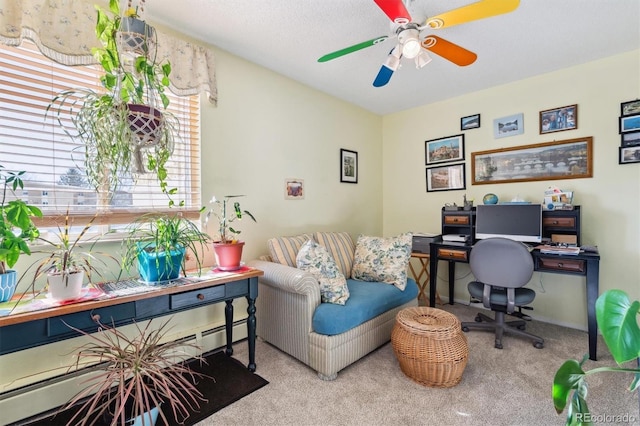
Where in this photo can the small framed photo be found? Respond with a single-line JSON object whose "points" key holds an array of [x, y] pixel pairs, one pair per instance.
{"points": [[629, 154], [348, 166], [293, 189], [444, 150], [508, 126], [630, 139], [470, 122], [559, 119], [630, 108], [446, 178], [630, 123]]}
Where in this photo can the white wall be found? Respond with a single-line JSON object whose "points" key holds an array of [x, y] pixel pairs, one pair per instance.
{"points": [[610, 200]]}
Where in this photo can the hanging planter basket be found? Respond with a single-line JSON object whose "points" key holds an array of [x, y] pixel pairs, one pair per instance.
{"points": [[136, 38], [146, 124]]}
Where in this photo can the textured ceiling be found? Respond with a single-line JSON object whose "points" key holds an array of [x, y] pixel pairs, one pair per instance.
{"points": [[288, 37]]}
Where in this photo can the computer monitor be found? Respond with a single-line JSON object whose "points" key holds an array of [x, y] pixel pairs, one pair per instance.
{"points": [[519, 222]]}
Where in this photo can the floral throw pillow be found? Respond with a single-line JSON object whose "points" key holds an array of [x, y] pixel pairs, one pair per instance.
{"points": [[382, 259], [315, 259]]}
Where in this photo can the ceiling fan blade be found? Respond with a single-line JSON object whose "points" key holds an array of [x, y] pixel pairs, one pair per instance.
{"points": [[472, 12], [351, 49], [395, 10], [449, 51], [388, 67]]}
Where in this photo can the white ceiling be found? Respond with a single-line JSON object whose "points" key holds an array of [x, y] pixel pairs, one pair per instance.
{"points": [[288, 37]]}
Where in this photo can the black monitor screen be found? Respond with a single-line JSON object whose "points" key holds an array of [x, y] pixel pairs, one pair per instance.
{"points": [[520, 222]]}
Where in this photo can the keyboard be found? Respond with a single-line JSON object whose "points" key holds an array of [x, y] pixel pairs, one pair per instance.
{"points": [[134, 286]]}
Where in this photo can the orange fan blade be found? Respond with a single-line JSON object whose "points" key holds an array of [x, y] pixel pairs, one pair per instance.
{"points": [[449, 51], [472, 12]]}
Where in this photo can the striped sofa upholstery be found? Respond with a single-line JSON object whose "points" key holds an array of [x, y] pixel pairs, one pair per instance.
{"points": [[287, 301]]}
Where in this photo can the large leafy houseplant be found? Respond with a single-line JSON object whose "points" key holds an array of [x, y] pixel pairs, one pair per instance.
{"points": [[16, 229], [125, 129], [617, 319], [135, 376]]}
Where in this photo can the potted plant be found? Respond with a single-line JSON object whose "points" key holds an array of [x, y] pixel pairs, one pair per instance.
{"points": [[617, 319], [157, 242], [138, 378], [227, 248], [67, 265], [15, 215], [126, 130]]}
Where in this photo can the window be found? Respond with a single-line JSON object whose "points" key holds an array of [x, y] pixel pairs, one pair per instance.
{"points": [[55, 178]]}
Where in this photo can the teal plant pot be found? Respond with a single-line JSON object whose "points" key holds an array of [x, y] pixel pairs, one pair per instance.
{"points": [[8, 284], [156, 267], [151, 415]]}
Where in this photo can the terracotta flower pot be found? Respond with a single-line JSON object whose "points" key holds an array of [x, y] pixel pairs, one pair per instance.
{"points": [[228, 255]]}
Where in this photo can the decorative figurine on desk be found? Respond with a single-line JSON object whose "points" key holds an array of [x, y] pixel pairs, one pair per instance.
{"points": [[468, 204]]}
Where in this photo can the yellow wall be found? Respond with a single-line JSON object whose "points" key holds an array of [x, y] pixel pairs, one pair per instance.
{"points": [[610, 200]]}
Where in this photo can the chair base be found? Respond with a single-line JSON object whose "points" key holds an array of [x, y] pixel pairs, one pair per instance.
{"points": [[501, 326]]}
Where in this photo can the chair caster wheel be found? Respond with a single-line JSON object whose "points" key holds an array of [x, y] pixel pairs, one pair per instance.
{"points": [[465, 329], [521, 327], [478, 318], [538, 345], [498, 345]]}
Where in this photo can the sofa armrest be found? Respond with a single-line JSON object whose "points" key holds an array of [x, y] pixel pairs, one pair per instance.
{"points": [[287, 299]]}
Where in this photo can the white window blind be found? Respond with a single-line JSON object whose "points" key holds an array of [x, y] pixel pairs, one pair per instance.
{"points": [[55, 178]]}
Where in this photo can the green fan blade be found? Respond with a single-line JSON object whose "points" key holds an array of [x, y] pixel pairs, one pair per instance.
{"points": [[351, 49]]}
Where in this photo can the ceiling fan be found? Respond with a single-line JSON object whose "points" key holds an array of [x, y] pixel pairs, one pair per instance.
{"points": [[412, 44]]}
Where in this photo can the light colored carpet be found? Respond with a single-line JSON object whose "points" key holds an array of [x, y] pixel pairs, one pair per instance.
{"points": [[511, 386]]}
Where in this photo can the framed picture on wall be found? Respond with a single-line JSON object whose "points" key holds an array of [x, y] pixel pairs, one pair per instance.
{"points": [[630, 139], [629, 154], [470, 122], [508, 126], [446, 178], [348, 166], [559, 119], [444, 150], [293, 189], [630, 108], [630, 123]]}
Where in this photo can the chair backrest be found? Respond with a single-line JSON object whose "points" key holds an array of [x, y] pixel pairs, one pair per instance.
{"points": [[501, 262]]}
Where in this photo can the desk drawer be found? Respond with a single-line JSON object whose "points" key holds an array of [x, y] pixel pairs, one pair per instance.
{"points": [[559, 222], [453, 254], [196, 297], [451, 219], [565, 265], [109, 316]]}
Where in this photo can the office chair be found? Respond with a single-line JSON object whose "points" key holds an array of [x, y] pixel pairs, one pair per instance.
{"points": [[501, 268]]}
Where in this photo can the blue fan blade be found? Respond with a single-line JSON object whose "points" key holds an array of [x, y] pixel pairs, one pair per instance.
{"points": [[383, 77]]}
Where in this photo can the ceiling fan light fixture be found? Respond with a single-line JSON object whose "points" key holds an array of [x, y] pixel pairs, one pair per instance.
{"points": [[410, 43], [422, 59]]}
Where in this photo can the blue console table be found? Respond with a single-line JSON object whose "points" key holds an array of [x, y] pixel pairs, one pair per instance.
{"points": [[31, 329]]}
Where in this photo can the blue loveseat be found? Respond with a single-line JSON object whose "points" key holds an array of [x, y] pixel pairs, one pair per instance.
{"points": [[327, 337]]}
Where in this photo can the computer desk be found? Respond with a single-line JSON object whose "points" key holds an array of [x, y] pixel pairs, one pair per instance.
{"points": [[584, 264]]}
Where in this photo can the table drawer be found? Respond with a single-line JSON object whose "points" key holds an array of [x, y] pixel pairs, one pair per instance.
{"points": [[456, 219], [453, 254], [196, 297], [559, 222], [86, 321], [564, 265]]}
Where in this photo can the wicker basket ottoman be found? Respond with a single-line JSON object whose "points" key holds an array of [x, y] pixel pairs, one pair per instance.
{"points": [[430, 346]]}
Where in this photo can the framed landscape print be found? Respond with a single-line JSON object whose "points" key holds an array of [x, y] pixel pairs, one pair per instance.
{"points": [[630, 123], [470, 122], [629, 154], [559, 119], [630, 108], [567, 159], [445, 178], [630, 139], [444, 150], [508, 126]]}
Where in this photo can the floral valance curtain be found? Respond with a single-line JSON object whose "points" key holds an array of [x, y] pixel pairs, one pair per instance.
{"points": [[64, 30]]}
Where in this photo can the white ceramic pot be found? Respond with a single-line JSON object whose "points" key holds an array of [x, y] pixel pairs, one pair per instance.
{"points": [[65, 286]]}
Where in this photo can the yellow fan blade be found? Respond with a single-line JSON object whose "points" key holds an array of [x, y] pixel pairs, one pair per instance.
{"points": [[449, 51], [472, 12]]}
